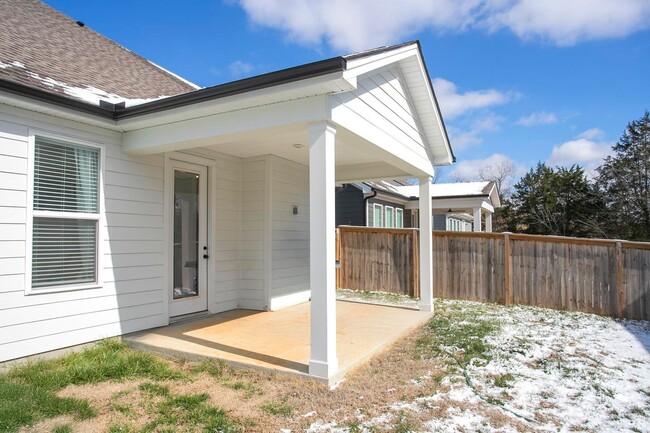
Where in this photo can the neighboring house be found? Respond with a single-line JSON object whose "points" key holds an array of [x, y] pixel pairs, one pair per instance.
{"points": [[128, 197], [455, 206]]}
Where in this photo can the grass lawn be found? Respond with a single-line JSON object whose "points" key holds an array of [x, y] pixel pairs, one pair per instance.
{"points": [[473, 368]]}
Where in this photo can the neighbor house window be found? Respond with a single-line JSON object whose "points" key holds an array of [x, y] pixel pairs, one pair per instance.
{"points": [[389, 216], [65, 214], [378, 215], [399, 218]]}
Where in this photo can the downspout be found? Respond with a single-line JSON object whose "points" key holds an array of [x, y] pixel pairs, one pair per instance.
{"points": [[365, 206]]}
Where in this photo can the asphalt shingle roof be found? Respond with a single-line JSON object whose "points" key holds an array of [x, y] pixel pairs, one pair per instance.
{"points": [[45, 49]]}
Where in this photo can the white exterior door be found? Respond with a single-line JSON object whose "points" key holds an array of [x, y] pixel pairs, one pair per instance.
{"points": [[189, 241]]}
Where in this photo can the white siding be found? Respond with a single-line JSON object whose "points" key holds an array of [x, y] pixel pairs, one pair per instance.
{"points": [[381, 100], [260, 249], [253, 211], [131, 296], [289, 233]]}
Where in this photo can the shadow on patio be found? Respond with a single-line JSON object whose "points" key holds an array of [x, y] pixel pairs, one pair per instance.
{"points": [[280, 340]]}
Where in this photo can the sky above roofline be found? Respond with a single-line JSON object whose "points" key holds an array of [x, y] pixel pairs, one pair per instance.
{"points": [[517, 80]]}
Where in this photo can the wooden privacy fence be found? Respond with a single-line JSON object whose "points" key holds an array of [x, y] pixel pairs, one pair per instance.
{"points": [[610, 278], [385, 260]]}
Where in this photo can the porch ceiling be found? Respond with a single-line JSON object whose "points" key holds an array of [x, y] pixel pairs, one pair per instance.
{"points": [[280, 340], [356, 159]]}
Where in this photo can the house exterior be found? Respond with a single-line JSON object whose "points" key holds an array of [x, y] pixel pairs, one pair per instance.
{"points": [[395, 204], [130, 197]]}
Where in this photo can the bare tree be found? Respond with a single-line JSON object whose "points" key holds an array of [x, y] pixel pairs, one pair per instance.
{"points": [[502, 174]]}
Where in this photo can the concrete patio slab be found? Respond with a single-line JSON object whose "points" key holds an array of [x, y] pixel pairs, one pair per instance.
{"points": [[280, 340]]}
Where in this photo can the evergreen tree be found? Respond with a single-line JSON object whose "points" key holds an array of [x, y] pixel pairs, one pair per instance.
{"points": [[624, 180], [558, 202]]}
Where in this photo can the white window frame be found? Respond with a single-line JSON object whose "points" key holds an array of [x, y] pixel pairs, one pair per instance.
{"points": [[31, 214], [381, 214], [399, 211], [392, 212]]}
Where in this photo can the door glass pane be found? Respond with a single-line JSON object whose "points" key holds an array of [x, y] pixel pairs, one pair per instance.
{"points": [[186, 234]]}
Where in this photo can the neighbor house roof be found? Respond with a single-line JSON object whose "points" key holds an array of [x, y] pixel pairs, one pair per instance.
{"points": [[44, 49], [456, 190]]}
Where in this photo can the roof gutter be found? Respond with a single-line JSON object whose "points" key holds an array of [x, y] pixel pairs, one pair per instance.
{"points": [[54, 99], [116, 112]]}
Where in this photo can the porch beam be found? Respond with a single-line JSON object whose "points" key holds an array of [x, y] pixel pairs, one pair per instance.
{"points": [[322, 243], [426, 245]]}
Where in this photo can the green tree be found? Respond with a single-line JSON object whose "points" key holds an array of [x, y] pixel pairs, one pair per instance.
{"points": [[624, 181], [558, 201]]}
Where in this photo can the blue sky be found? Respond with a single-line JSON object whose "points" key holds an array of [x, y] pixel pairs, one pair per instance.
{"points": [[520, 80]]}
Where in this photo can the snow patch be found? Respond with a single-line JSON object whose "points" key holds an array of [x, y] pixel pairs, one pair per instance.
{"points": [[91, 94]]}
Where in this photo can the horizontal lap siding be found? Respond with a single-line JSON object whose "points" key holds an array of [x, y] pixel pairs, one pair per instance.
{"points": [[381, 99], [289, 232], [131, 296], [225, 226], [253, 187]]}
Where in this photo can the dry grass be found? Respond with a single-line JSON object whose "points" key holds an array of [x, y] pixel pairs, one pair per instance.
{"points": [[260, 401], [255, 401]]}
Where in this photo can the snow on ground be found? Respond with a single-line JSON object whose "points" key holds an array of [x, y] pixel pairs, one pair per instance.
{"points": [[546, 371]]}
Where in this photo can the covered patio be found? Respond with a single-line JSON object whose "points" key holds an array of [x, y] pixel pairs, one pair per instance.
{"points": [[288, 139], [280, 341]]}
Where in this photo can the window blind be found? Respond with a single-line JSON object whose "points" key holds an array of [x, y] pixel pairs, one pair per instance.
{"points": [[63, 251], [66, 177], [64, 246]]}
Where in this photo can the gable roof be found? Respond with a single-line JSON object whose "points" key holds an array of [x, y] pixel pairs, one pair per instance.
{"points": [[44, 49], [49, 58]]}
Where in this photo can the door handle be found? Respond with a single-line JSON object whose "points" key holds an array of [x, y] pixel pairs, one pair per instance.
{"points": [[205, 254]]}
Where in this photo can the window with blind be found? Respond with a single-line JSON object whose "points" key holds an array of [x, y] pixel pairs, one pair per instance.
{"points": [[66, 214]]}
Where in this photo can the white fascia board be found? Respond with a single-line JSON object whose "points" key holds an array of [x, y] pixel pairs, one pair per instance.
{"points": [[25, 103], [464, 203], [429, 104], [315, 86], [207, 130], [360, 66], [369, 171]]}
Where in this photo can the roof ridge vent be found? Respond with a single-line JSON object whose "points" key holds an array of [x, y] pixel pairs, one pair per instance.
{"points": [[81, 24]]}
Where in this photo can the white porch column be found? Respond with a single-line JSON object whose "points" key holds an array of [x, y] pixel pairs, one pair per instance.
{"points": [[488, 222], [477, 219], [426, 245], [322, 245]]}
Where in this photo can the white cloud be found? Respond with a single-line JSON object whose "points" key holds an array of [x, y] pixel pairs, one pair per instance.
{"points": [[363, 24], [540, 118], [454, 103], [461, 139], [585, 151], [592, 134], [469, 169], [564, 23], [240, 68]]}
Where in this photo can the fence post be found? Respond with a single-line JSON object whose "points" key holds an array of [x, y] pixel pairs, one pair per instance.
{"points": [[338, 258], [416, 264], [620, 280], [507, 289]]}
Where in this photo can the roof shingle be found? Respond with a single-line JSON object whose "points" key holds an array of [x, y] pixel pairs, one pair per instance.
{"points": [[43, 48]]}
